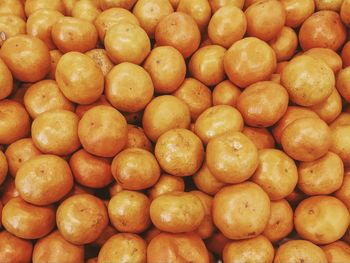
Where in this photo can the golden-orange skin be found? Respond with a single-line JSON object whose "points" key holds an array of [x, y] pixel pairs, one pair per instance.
{"points": [[329, 56], [4, 167], [126, 169], [103, 131], [257, 249], [44, 179], [68, 6], [284, 43], [342, 120], [126, 42], [261, 137], [345, 54], [164, 113], [45, 96], [19, 152], [226, 93], [39, 24], [322, 176], [127, 4], [6, 81], [11, 25], [262, 23], [293, 113], [322, 29], [27, 57], [15, 122], [9, 190], [338, 251], [177, 248], [309, 81], [205, 181], [248, 61], [33, 5], [137, 138], [100, 57], [123, 248], [166, 184], [86, 9], [167, 68], [217, 120], [206, 65], [180, 31], [299, 250], [340, 143], [216, 4], [306, 139], [54, 248], [345, 12], [55, 56], [129, 212], [241, 211], [129, 87], [232, 157], [56, 132], [227, 25], [27, 221], [297, 11], [328, 5], [263, 103], [14, 249], [89, 170], [200, 10], [81, 109], [280, 222], [81, 218], [179, 152], [74, 34], [113, 16], [342, 83], [321, 219], [343, 193], [150, 12], [14, 7], [79, 78], [196, 95], [277, 173]]}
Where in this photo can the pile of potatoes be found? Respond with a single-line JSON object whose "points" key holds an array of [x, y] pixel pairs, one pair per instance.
{"points": [[174, 131]]}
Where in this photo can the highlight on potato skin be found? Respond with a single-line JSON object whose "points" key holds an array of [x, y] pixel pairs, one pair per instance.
{"points": [[174, 131]]}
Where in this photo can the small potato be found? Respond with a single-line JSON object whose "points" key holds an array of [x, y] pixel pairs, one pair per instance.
{"points": [[54, 248], [200, 10], [261, 137], [179, 152], [129, 211], [257, 249], [56, 132], [14, 7], [14, 249], [322, 176], [299, 251], [206, 181], [163, 114], [135, 169], [33, 5], [249, 60], [342, 84], [308, 81], [338, 251], [103, 131], [340, 142], [137, 138], [232, 157], [226, 93], [167, 247], [216, 121], [123, 248], [6, 82], [284, 43], [328, 56], [321, 219], [4, 167], [86, 10], [177, 212], [306, 139], [74, 34], [55, 56], [280, 223], [81, 109], [216, 4], [277, 173], [206, 228], [10, 25], [44, 179], [343, 193], [263, 103], [27, 221], [81, 218], [241, 211], [297, 11], [100, 57], [166, 184]]}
